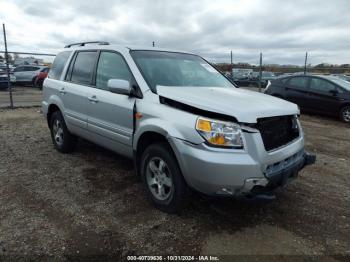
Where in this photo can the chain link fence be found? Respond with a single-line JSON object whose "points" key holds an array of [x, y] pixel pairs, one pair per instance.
{"points": [[21, 77]]}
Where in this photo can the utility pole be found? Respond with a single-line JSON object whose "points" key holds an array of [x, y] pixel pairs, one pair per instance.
{"points": [[7, 67], [305, 63], [153, 43], [231, 65], [260, 72]]}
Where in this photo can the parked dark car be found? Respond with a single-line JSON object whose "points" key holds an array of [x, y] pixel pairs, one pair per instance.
{"points": [[3, 79], [328, 95]]}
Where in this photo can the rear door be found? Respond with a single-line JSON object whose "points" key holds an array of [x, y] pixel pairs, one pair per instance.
{"points": [[110, 115], [323, 96], [296, 90], [78, 82]]}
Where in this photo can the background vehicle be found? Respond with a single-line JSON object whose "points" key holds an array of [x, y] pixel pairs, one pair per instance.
{"points": [[3, 80], [327, 95], [184, 124], [27, 74], [265, 78], [38, 82]]}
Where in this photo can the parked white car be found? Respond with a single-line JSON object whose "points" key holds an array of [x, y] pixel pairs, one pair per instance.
{"points": [[27, 73]]}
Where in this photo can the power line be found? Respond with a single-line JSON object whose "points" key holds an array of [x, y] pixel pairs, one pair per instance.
{"points": [[26, 53]]}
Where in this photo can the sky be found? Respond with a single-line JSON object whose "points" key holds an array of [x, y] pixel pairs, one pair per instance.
{"points": [[282, 30]]}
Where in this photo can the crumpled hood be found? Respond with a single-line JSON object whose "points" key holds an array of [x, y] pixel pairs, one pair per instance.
{"points": [[246, 106]]}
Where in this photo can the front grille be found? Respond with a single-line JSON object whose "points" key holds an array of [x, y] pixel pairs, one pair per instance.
{"points": [[277, 131]]}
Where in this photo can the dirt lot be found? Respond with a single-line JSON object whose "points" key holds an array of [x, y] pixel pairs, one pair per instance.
{"points": [[89, 204]]}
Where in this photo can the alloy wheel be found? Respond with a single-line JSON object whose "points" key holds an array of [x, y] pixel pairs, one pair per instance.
{"points": [[57, 130], [159, 179], [346, 114]]}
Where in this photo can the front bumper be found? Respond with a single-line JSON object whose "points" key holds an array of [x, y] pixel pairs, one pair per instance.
{"points": [[239, 172], [279, 174]]}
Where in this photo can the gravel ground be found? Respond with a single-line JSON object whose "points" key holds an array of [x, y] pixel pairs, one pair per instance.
{"points": [[89, 204]]}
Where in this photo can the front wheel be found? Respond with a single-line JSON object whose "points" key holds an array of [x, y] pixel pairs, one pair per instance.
{"points": [[345, 114], [162, 178]]}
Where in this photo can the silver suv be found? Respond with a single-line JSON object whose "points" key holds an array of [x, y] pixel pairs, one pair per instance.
{"points": [[185, 125]]}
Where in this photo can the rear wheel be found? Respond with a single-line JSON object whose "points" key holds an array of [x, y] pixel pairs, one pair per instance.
{"points": [[62, 139], [162, 178], [345, 114]]}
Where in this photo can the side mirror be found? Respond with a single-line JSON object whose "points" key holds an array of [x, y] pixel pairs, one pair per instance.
{"points": [[119, 86]]}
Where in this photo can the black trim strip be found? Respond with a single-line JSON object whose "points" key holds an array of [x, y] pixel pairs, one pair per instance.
{"points": [[195, 110]]}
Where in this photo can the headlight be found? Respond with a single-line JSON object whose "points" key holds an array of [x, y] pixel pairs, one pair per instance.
{"points": [[220, 133]]}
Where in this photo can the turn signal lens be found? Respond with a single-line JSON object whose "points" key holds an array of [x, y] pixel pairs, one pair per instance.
{"points": [[203, 125]]}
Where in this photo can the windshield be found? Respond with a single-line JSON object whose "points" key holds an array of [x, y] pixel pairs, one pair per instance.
{"points": [[343, 83], [177, 69]]}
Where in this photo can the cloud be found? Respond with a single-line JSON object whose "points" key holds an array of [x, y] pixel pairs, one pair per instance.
{"points": [[282, 30]]}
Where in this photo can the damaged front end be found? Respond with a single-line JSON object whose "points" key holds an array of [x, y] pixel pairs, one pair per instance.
{"points": [[277, 175]]}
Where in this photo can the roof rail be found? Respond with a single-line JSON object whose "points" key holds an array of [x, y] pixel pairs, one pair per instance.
{"points": [[90, 42]]}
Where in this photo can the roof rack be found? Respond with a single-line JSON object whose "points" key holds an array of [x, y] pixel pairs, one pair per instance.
{"points": [[90, 42]]}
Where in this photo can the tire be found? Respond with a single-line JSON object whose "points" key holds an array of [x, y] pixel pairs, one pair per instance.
{"points": [[345, 114], [34, 82], [62, 139], [162, 179]]}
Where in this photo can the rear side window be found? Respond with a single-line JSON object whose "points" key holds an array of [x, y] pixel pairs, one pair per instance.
{"points": [[111, 66], [298, 82], [58, 65], [84, 67]]}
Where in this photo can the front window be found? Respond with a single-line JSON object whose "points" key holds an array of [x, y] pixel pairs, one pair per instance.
{"points": [[111, 66], [177, 69], [321, 85]]}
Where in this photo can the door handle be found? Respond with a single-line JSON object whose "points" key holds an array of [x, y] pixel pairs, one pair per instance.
{"points": [[62, 91], [93, 99]]}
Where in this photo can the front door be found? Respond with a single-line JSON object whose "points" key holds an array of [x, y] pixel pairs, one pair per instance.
{"points": [[110, 115], [323, 96]]}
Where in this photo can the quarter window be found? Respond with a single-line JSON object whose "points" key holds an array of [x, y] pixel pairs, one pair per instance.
{"points": [[111, 66], [321, 85], [58, 64], [298, 82], [84, 67]]}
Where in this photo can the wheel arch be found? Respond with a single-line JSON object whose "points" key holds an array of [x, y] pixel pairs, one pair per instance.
{"points": [[146, 139], [51, 109]]}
